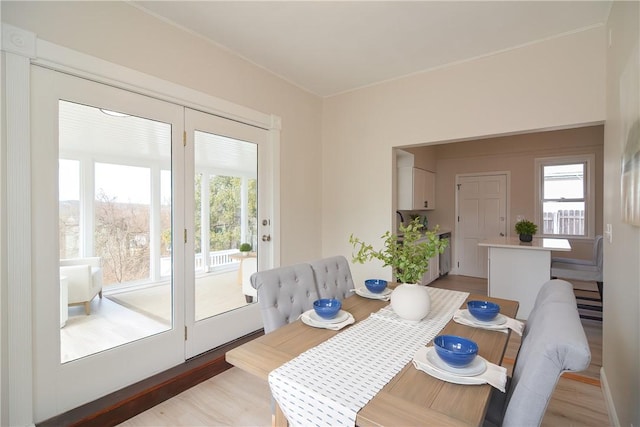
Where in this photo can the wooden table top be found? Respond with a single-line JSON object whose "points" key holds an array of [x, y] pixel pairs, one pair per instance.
{"points": [[412, 397]]}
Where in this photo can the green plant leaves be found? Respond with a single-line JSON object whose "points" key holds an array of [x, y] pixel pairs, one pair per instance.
{"points": [[526, 227], [408, 255]]}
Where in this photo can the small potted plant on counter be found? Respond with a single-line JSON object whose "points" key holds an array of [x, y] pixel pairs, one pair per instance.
{"points": [[408, 254], [526, 230]]}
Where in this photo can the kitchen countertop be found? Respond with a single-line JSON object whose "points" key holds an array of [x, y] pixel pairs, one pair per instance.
{"points": [[543, 244]]}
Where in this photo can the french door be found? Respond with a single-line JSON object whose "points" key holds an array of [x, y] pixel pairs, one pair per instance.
{"points": [[223, 175], [119, 291]]}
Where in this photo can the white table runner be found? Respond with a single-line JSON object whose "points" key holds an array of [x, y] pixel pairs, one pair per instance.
{"points": [[328, 384]]}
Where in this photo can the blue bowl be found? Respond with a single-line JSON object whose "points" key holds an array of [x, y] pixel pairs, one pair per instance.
{"points": [[375, 286], [327, 308], [484, 311], [455, 351]]}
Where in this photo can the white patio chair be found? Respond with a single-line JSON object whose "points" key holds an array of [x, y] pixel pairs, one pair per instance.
{"points": [[84, 280]]}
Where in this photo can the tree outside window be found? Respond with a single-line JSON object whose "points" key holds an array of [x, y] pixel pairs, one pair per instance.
{"points": [[225, 212]]}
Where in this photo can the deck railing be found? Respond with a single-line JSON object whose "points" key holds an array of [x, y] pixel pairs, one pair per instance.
{"points": [[218, 260]]}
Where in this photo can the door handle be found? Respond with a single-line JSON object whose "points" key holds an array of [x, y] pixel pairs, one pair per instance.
{"points": [[502, 234], [266, 237]]}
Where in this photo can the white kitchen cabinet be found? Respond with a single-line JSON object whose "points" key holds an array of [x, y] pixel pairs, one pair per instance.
{"points": [[416, 189], [434, 270], [434, 266]]}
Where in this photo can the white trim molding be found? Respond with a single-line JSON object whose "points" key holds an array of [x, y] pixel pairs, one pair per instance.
{"points": [[608, 399], [589, 197], [68, 61], [18, 41], [274, 176], [18, 48]]}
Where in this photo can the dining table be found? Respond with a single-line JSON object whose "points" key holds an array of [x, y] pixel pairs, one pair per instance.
{"points": [[411, 397]]}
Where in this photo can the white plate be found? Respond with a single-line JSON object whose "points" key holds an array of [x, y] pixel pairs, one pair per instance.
{"points": [[477, 367], [455, 379], [364, 292], [340, 317], [499, 320], [420, 362]]}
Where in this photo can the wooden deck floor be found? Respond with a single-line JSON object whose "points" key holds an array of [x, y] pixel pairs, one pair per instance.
{"points": [[120, 318]]}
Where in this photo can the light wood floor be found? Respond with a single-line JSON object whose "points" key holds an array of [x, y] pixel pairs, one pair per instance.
{"points": [[235, 398], [124, 317]]}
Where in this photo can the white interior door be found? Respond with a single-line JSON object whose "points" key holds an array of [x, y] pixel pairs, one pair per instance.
{"points": [[482, 213], [227, 204]]}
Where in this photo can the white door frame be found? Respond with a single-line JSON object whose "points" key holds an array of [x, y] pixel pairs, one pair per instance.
{"points": [[458, 242], [20, 48]]}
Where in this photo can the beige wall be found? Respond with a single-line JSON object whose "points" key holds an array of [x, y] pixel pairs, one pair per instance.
{"points": [[123, 34], [553, 84], [424, 157], [621, 326], [514, 154], [336, 156]]}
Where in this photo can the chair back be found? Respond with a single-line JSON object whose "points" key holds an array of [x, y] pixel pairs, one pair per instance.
{"points": [[581, 269], [333, 277], [553, 342], [597, 252], [284, 293], [94, 262], [555, 290]]}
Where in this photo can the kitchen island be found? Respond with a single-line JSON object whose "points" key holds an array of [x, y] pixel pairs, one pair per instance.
{"points": [[517, 270]]}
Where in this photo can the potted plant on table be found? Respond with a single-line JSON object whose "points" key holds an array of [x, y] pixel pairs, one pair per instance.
{"points": [[245, 248], [408, 253], [526, 230]]}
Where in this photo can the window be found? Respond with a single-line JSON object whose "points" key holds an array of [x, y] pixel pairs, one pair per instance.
{"points": [[565, 196], [69, 215]]}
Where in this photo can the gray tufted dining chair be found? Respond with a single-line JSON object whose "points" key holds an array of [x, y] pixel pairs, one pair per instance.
{"points": [[284, 293], [553, 342], [333, 277]]}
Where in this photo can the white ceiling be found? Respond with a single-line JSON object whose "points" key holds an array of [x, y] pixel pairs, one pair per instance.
{"points": [[329, 47], [105, 135]]}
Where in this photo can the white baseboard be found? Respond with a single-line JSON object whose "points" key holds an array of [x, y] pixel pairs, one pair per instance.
{"points": [[608, 400]]}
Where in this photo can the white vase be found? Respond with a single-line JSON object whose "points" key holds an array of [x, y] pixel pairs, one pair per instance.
{"points": [[411, 302]]}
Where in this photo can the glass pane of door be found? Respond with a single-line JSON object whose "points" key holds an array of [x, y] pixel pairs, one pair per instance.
{"points": [[225, 162], [114, 228], [225, 219]]}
